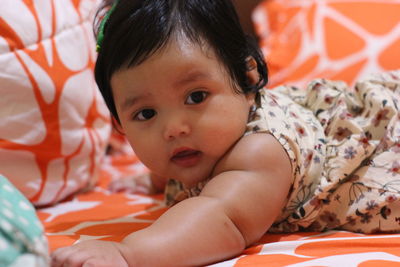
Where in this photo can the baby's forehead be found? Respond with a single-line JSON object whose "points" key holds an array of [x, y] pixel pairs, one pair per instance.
{"points": [[178, 65], [184, 58], [183, 50], [181, 42]]}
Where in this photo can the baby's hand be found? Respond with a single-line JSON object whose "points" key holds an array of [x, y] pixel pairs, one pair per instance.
{"points": [[140, 184], [89, 253]]}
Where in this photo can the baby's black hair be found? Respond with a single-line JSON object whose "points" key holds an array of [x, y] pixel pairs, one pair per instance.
{"points": [[136, 29]]}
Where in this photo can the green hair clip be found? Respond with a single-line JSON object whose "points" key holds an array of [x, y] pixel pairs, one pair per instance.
{"points": [[100, 36]]}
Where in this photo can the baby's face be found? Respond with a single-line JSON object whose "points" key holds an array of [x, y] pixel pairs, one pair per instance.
{"points": [[179, 111]]}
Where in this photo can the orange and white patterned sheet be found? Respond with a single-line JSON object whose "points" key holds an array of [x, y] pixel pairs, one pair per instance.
{"points": [[100, 214]]}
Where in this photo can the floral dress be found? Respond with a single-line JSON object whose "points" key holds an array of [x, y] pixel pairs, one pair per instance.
{"points": [[344, 147]]}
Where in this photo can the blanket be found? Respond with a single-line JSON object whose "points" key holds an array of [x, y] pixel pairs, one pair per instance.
{"points": [[100, 214]]}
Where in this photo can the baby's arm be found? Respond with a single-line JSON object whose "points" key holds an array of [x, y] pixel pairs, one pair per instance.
{"points": [[233, 211]]}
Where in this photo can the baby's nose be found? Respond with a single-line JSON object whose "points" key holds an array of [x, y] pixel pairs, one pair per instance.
{"points": [[176, 128]]}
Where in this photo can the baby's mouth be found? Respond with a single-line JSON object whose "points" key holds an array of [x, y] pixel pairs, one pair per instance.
{"points": [[186, 157]]}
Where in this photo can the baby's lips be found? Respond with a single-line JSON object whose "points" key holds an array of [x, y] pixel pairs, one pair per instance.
{"points": [[183, 152]]}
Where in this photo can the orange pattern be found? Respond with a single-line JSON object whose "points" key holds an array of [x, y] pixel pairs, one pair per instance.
{"points": [[334, 39], [54, 125], [99, 214]]}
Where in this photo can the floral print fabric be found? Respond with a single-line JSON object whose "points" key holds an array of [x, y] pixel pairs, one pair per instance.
{"points": [[358, 188], [344, 147]]}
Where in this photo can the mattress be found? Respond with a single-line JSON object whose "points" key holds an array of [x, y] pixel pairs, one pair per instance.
{"points": [[105, 215]]}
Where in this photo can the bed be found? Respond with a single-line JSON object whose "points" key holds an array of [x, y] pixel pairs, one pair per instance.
{"points": [[56, 144], [99, 214]]}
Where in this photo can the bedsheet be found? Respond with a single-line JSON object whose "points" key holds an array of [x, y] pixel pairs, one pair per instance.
{"points": [[100, 214]]}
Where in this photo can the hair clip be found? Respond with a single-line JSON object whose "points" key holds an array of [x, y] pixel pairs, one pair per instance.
{"points": [[100, 35]]}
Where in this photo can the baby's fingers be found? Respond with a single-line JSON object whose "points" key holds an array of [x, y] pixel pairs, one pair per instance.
{"points": [[59, 257], [100, 263], [68, 257]]}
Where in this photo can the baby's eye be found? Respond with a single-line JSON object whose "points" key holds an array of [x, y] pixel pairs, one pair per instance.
{"points": [[145, 114], [196, 97]]}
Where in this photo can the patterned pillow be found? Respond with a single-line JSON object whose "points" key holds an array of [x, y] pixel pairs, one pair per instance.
{"points": [[54, 125], [336, 39]]}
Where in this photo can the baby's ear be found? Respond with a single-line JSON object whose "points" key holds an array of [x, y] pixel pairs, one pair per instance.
{"points": [[117, 126], [252, 72]]}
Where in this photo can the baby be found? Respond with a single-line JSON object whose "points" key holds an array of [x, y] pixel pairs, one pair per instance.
{"points": [[186, 87]]}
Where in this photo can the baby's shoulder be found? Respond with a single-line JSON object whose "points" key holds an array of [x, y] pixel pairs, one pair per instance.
{"points": [[258, 151]]}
